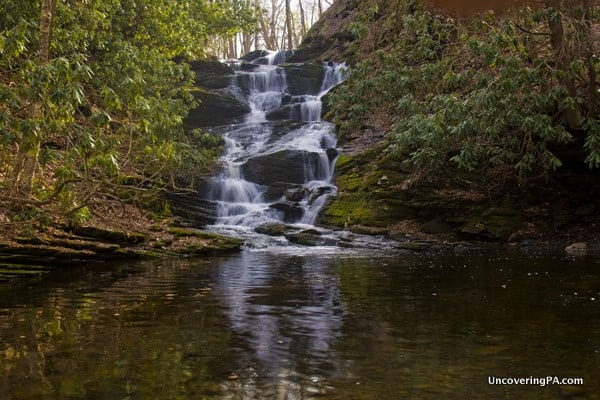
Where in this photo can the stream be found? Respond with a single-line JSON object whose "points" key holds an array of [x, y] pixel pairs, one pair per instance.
{"points": [[301, 324]]}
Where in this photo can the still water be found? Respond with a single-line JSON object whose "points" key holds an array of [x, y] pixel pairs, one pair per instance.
{"points": [[302, 325]]}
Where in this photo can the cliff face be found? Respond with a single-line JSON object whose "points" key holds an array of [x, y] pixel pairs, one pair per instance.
{"points": [[381, 188]]}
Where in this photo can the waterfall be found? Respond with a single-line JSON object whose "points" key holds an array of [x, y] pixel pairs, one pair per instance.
{"points": [[275, 168]]}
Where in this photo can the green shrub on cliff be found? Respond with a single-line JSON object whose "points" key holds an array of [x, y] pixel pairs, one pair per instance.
{"points": [[494, 93]]}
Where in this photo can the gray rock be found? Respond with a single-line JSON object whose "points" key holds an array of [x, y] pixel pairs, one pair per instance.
{"points": [[291, 166], [211, 74], [294, 194], [303, 238], [304, 78], [217, 107], [254, 55], [271, 229], [292, 211], [577, 249]]}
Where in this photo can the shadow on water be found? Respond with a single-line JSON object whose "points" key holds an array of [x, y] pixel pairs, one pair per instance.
{"points": [[300, 326]]}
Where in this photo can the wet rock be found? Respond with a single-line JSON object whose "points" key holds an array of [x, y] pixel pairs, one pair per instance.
{"points": [[304, 78], [577, 249], [254, 55], [217, 107], [295, 194], [247, 67], [276, 190], [282, 128], [291, 166], [303, 238], [292, 211], [272, 229], [331, 153], [283, 113], [319, 191], [261, 57], [211, 74]]}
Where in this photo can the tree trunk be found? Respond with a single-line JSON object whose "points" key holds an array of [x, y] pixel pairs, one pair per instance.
{"points": [[46, 16], [588, 39], [562, 58], [29, 148], [288, 25], [302, 20]]}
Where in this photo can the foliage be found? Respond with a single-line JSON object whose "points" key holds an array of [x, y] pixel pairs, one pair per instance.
{"points": [[108, 103], [490, 93]]}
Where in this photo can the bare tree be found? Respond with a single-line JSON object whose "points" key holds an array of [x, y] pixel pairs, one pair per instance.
{"points": [[288, 25]]}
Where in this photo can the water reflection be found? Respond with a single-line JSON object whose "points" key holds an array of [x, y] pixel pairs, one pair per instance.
{"points": [[288, 312], [301, 326]]}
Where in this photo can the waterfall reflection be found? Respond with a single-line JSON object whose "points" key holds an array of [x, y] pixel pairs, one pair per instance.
{"points": [[288, 314]]}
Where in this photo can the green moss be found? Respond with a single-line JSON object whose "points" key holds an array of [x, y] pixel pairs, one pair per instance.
{"points": [[182, 232], [350, 182], [272, 229], [343, 161], [352, 209]]}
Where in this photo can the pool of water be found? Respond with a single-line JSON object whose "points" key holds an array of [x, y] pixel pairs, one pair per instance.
{"points": [[304, 325]]}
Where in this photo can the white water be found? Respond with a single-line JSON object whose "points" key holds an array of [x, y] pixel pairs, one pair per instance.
{"points": [[241, 203]]}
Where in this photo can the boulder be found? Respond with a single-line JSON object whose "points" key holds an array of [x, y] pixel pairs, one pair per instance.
{"points": [[292, 211], [276, 190], [217, 107], [283, 113], [283, 127], [211, 74], [271, 229], [247, 67], [291, 166], [304, 78], [254, 55], [294, 194], [331, 153], [577, 249], [303, 238]]}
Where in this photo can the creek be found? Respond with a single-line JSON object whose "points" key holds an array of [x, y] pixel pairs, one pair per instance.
{"points": [[298, 324]]}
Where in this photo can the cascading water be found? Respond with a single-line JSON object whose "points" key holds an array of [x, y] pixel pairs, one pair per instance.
{"points": [[275, 168]]}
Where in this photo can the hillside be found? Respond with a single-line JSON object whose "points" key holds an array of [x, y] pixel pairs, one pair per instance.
{"points": [[482, 126]]}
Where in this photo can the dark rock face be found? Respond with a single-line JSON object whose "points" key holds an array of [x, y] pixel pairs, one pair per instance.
{"points": [[304, 78], [292, 211], [330, 38], [294, 194], [283, 166], [254, 55], [211, 74], [193, 208], [260, 57], [217, 107], [280, 114]]}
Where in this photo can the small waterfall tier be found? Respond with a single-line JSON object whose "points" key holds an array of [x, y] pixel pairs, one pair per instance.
{"points": [[277, 165]]}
